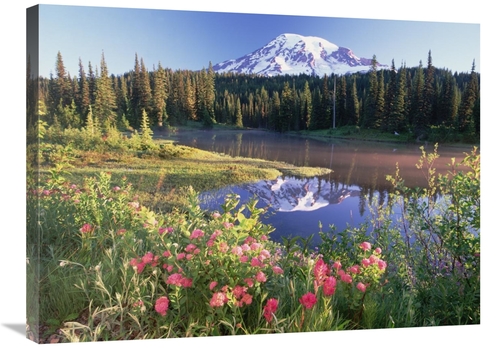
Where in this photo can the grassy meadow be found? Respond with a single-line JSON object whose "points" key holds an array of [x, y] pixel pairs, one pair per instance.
{"points": [[119, 249]]}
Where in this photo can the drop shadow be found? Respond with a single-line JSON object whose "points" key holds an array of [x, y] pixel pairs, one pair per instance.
{"points": [[19, 328]]}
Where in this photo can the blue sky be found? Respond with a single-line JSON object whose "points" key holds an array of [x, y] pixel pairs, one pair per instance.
{"points": [[191, 39]]}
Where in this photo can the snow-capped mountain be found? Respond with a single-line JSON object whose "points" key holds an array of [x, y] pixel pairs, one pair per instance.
{"points": [[295, 54], [292, 194], [285, 194]]}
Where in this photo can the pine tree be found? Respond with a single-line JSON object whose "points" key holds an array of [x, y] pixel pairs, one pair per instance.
{"points": [[326, 105], [286, 109], [239, 116], [83, 99], [417, 116], [352, 104], [429, 93], [466, 110], [373, 89], [306, 109], [105, 99], [341, 102], [160, 95], [380, 105]]}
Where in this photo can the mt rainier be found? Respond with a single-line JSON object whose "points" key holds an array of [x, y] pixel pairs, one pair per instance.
{"points": [[295, 54]]}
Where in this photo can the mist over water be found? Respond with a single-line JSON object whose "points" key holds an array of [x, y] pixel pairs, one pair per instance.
{"points": [[296, 206]]}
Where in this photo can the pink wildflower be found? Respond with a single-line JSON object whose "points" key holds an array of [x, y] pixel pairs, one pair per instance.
{"points": [[354, 269], [196, 234], [361, 287], [270, 308], [346, 278], [228, 225], [180, 256], [337, 265], [382, 265], [256, 262], [308, 300], [216, 215], [189, 256], [264, 254], [186, 282], [246, 299], [249, 282], [329, 286], [161, 305], [260, 277], [277, 270], [121, 231], [148, 258], [366, 262], [223, 247], [378, 251], [167, 253], [244, 259], [190, 248], [218, 299], [86, 228], [245, 247], [175, 279], [255, 246], [365, 246], [237, 251], [116, 188], [373, 259], [321, 271], [239, 291], [212, 285]]}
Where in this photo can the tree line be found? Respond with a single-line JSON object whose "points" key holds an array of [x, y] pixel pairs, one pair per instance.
{"points": [[401, 100]]}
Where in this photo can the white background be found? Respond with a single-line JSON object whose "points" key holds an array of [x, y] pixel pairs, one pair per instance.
{"points": [[12, 169]]}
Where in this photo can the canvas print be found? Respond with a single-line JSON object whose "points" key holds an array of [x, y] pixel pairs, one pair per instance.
{"points": [[200, 174]]}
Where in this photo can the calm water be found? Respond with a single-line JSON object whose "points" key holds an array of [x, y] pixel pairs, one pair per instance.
{"points": [[298, 205]]}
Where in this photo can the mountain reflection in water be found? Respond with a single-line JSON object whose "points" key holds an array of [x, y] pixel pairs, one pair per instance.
{"points": [[298, 205]]}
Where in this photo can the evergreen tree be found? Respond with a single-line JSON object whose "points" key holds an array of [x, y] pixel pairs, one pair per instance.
{"points": [[369, 120], [429, 93], [380, 105], [286, 109], [105, 99], [352, 104], [390, 96], [326, 105], [417, 116], [466, 110], [83, 99], [160, 95], [239, 116], [92, 84], [341, 102], [306, 109]]}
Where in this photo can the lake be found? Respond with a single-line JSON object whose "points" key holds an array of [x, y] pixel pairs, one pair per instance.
{"points": [[298, 205]]}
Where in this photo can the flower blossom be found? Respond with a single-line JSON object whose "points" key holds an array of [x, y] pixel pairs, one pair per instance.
{"points": [[196, 234], [270, 308], [86, 228], [329, 286], [218, 299], [365, 246], [321, 271], [212, 285], [161, 305], [260, 277], [308, 300], [277, 270], [361, 287]]}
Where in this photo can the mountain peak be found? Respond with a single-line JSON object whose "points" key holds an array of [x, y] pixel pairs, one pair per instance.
{"points": [[295, 54]]}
